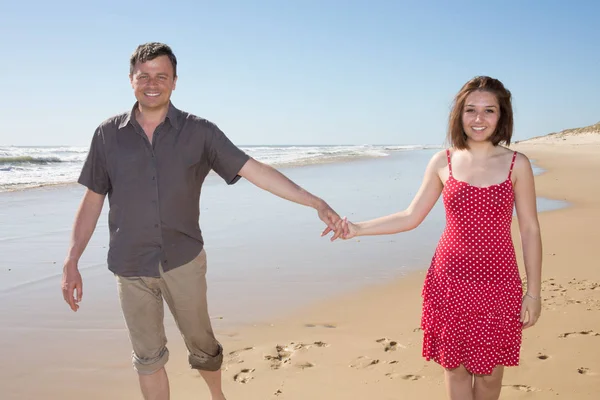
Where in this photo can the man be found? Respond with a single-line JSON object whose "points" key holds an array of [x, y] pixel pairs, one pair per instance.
{"points": [[152, 162]]}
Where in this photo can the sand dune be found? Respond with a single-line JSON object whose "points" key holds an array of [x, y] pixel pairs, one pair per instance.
{"points": [[577, 136]]}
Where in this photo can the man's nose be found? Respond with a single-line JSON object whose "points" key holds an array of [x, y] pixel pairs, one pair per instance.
{"points": [[153, 80]]}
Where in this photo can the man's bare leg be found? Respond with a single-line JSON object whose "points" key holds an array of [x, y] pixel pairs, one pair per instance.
{"points": [[155, 386], [213, 380]]}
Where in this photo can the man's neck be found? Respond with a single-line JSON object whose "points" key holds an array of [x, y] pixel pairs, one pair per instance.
{"points": [[145, 116]]}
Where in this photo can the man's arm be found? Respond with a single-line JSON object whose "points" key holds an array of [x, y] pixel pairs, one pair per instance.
{"points": [[271, 180], [85, 223]]}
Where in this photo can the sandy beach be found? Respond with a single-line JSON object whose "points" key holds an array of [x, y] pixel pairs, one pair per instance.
{"points": [[353, 340], [367, 345]]}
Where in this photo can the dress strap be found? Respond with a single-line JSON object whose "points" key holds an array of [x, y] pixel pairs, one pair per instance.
{"points": [[512, 164], [449, 163]]}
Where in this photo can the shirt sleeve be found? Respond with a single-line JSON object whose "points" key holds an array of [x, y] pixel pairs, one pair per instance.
{"points": [[94, 174], [225, 158]]}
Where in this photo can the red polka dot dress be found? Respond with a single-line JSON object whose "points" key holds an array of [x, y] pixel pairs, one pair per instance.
{"points": [[472, 292]]}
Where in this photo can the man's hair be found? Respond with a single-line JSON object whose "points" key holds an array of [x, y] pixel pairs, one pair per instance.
{"points": [[504, 128], [149, 51]]}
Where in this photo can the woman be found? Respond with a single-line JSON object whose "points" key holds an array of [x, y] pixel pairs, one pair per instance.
{"points": [[473, 305]]}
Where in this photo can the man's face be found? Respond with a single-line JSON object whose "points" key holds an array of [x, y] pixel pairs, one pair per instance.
{"points": [[152, 82]]}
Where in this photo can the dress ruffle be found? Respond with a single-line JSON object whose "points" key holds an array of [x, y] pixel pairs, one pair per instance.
{"points": [[474, 324]]}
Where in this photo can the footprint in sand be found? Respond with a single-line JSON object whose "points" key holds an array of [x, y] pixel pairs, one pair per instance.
{"points": [[523, 388], [284, 356], [584, 284], [244, 376], [583, 333], [556, 291], [233, 357], [236, 353], [284, 353], [543, 357], [389, 345], [305, 365], [409, 377], [364, 362], [585, 371], [329, 326], [574, 292]]}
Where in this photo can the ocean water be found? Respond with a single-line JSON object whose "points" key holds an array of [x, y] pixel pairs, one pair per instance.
{"points": [[26, 167], [244, 220]]}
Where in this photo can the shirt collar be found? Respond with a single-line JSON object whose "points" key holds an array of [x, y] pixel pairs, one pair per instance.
{"points": [[172, 116]]}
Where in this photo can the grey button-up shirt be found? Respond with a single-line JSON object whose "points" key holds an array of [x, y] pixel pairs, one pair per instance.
{"points": [[154, 188]]}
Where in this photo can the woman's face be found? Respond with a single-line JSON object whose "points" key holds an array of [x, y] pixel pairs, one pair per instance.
{"points": [[480, 115]]}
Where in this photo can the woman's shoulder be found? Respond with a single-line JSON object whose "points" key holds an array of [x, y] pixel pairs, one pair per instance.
{"points": [[508, 152], [521, 161], [440, 158]]}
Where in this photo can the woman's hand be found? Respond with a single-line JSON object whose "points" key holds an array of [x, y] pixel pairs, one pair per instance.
{"points": [[531, 309], [349, 230]]}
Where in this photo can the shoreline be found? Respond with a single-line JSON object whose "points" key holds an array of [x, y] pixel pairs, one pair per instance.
{"points": [[314, 160]]}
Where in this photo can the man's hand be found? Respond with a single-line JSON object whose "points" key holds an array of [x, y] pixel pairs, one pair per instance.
{"points": [[71, 282], [85, 223], [331, 219]]}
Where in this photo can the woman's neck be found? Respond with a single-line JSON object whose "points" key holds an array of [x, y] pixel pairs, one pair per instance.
{"points": [[481, 149]]}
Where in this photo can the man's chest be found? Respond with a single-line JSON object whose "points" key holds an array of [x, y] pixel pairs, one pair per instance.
{"points": [[134, 159]]}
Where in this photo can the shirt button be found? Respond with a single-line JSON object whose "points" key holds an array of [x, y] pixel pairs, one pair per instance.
{"points": [[153, 178], [156, 225]]}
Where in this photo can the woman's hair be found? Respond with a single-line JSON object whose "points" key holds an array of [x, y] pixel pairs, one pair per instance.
{"points": [[456, 133]]}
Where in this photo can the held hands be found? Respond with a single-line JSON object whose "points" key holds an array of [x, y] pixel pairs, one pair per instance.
{"points": [[343, 229], [71, 282], [532, 308], [349, 230], [331, 219]]}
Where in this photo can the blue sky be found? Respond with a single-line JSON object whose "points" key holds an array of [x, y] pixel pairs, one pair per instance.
{"points": [[299, 72]]}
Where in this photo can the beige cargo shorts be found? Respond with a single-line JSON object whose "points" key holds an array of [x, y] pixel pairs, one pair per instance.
{"points": [[184, 290]]}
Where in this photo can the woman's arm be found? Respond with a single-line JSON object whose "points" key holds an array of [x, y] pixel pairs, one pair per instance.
{"points": [[531, 240], [422, 203]]}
